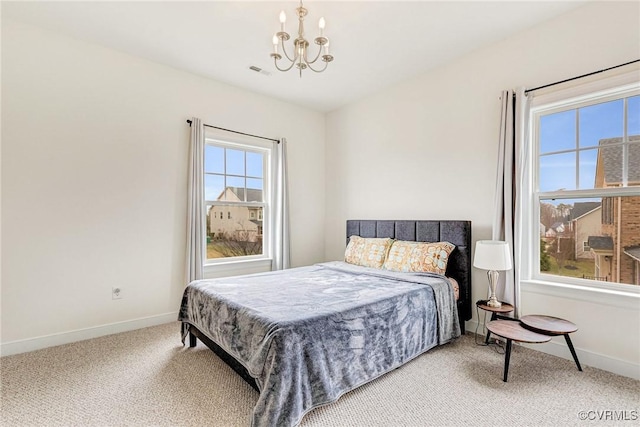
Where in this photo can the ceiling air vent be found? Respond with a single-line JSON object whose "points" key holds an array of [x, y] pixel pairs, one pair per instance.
{"points": [[259, 70]]}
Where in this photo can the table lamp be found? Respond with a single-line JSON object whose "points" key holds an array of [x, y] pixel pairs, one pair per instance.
{"points": [[494, 256]]}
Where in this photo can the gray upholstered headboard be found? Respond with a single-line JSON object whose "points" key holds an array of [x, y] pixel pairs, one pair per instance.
{"points": [[456, 232]]}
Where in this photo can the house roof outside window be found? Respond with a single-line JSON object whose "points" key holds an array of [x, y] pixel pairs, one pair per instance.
{"points": [[602, 243], [611, 158], [253, 195], [633, 252], [582, 208]]}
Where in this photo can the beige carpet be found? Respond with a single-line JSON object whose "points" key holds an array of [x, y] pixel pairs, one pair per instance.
{"points": [[146, 378]]}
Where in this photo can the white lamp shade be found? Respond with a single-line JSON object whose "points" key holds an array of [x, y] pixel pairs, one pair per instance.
{"points": [[492, 255]]}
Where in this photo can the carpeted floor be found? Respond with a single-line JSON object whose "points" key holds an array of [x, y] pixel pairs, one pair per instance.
{"points": [[146, 378]]}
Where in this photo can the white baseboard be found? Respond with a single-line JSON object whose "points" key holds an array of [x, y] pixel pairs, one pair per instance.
{"points": [[31, 344], [586, 357]]}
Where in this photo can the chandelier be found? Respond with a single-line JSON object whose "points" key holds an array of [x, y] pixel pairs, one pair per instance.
{"points": [[300, 57]]}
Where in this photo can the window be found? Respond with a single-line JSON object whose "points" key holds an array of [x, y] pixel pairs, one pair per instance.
{"points": [[236, 181], [585, 166]]}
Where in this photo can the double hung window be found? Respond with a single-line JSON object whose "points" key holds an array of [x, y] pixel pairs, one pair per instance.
{"points": [[236, 187], [585, 204]]}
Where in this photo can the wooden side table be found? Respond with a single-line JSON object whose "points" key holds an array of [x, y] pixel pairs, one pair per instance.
{"points": [[496, 313], [553, 326], [513, 331]]}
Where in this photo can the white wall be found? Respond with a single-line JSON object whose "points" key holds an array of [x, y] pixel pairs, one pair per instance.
{"points": [[94, 178], [427, 149]]}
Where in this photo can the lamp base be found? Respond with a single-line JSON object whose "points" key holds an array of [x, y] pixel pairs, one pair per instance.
{"points": [[493, 302], [492, 275]]}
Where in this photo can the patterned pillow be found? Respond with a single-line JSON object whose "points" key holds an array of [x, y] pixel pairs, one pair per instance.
{"points": [[367, 252], [354, 250], [419, 257]]}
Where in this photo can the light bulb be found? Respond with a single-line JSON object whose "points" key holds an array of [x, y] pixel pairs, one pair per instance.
{"points": [[275, 44], [283, 17], [321, 23]]}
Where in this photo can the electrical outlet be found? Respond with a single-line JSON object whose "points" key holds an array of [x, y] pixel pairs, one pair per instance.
{"points": [[116, 293]]}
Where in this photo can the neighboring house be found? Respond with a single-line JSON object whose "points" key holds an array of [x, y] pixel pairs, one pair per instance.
{"points": [[543, 230], [602, 248], [236, 222], [620, 216], [585, 222], [634, 253], [555, 229]]}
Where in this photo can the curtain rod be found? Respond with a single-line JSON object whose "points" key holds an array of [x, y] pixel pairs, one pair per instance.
{"points": [[241, 133], [579, 77]]}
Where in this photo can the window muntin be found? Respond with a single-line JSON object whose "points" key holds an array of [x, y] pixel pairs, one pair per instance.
{"points": [[236, 199], [586, 196]]}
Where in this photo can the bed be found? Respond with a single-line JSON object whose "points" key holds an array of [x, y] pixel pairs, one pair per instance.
{"points": [[305, 336]]}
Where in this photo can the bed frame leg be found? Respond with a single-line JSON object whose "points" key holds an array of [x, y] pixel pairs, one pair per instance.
{"points": [[192, 340]]}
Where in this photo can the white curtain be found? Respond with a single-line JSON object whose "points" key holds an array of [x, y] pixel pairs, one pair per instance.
{"points": [[195, 203], [280, 247], [510, 187]]}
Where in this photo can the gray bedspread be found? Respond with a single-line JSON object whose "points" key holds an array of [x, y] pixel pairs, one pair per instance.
{"points": [[310, 334]]}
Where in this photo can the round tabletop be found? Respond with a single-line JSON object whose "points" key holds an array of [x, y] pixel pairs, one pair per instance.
{"points": [[504, 308], [549, 324], [512, 330]]}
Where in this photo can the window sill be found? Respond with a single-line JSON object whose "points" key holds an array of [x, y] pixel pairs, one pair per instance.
{"points": [[236, 268], [626, 299]]}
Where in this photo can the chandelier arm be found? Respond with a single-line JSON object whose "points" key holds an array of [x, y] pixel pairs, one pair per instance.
{"points": [[284, 50], [317, 71], [275, 61], [317, 56]]}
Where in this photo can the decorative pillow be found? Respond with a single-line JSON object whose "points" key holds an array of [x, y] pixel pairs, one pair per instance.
{"points": [[419, 257], [367, 252], [354, 250]]}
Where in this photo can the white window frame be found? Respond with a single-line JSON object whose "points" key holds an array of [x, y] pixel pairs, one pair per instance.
{"points": [[240, 264], [532, 279]]}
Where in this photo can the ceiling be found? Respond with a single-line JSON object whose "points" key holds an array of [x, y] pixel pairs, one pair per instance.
{"points": [[375, 43]]}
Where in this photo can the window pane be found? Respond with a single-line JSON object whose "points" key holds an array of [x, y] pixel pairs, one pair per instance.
{"points": [[601, 121], [587, 165], [610, 157], [634, 164], [558, 172], [234, 231], [589, 238], [254, 183], [633, 115], [213, 159], [235, 189], [558, 131], [213, 186], [255, 164], [235, 162]]}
